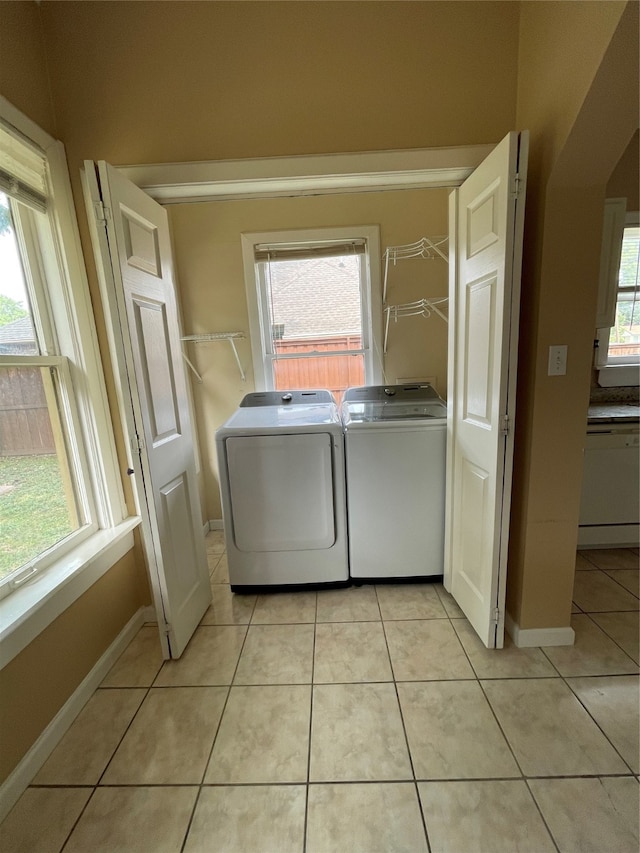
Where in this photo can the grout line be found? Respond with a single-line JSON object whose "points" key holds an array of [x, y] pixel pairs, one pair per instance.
{"points": [[306, 798], [404, 728]]}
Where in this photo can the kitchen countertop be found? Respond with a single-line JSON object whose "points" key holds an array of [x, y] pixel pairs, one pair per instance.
{"points": [[604, 413]]}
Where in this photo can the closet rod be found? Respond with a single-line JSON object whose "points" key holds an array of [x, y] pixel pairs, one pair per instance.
{"points": [[421, 307]]}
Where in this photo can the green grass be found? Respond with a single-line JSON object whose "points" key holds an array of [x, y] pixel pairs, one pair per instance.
{"points": [[33, 509]]}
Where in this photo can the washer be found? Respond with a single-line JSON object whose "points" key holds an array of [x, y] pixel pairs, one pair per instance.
{"points": [[282, 481], [395, 446]]}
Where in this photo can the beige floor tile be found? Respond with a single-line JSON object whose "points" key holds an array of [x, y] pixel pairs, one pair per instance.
{"points": [[228, 608], [583, 564], [170, 739], [590, 815], [410, 601], [452, 733], [220, 574], [612, 558], [483, 817], [426, 649], [614, 703], [247, 819], [214, 541], [354, 604], [42, 819], [285, 607], [351, 651], [121, 820], [448, 602], [508, 662], [549, 731], [85, 750], [373, 818], [628, 578], [210, 658], [263, 736], [596, 592], [623, 628], [593, 653], [276, 654], [140, 662], [357, 735]]}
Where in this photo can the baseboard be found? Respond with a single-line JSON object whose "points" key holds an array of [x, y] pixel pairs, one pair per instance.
{"points": [[609, 536], [149, 615], [525, 638], [216, 524], [206, 527], [19, 780]]}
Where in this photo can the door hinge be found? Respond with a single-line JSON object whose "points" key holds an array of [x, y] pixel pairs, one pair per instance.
{"points": [[166, 628], [515, 188], [137, 443], [505, 425], [496, 616], [102, 212]]}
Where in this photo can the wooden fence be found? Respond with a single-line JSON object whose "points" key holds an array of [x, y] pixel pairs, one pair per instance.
{"points": [[335, 372], [25, 425]]}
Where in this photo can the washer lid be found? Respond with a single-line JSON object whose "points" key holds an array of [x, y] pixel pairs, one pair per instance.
{"points": [[301, 397], [371, 412], [297, 418], [419, 391]]}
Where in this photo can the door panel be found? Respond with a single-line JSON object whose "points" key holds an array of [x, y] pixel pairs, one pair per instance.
{"points": [[136, 267], [486, 217]]}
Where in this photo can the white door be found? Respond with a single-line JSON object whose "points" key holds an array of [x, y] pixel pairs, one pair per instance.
{"points": [[486, 222], [133, 254]]}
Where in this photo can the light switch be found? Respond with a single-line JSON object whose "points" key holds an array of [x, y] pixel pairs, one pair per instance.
{"points": [[557, 360]]}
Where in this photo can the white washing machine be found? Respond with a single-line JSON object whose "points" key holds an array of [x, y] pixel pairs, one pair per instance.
{"points": [[282, 481], [395, 447]]}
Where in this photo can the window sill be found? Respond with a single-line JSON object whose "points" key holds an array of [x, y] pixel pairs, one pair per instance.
{"points": [[619, 375], [29, 610]]}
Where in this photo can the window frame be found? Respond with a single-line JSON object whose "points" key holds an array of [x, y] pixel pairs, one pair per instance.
{"points": [[263, 355], [613, 371], [70, 343]]}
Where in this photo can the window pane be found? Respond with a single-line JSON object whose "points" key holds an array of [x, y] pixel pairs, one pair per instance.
{"points": [[38, 504], [334, 372], [315, 300], [17, 336], [624, 339]]}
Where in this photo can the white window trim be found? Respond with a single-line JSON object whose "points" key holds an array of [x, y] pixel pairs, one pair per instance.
{"points": [[31, 608], [616, 372], [371, 301]]}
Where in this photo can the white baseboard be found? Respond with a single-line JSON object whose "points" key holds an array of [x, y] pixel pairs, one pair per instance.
{"points": [[609, 536], [216, 524], [525, 638], [19, 780], [149, 615], [206, 527]]}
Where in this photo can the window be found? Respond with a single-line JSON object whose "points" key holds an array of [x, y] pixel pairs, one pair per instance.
{"points": [[618, 335], [624, 337], [314, 301], [59, 487]]}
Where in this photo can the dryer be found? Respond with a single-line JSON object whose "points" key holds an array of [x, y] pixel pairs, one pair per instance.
{"points": [[395, 446], [282, 483]]}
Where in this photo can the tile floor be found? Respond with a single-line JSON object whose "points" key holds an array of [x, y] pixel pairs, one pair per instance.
{"points": [[368, 719]]}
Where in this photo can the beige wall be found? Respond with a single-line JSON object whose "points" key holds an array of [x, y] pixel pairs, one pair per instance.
{"points": [[625, 178], [578, 96], [37, 683], [24, 76], [176, 81], [213, 296]]}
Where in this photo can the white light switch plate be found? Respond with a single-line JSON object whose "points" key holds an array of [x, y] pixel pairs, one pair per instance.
{"points": [[557, 360]]}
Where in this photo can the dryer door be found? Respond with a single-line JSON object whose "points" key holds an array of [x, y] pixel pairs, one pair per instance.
{"points": [[282, 495]]}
